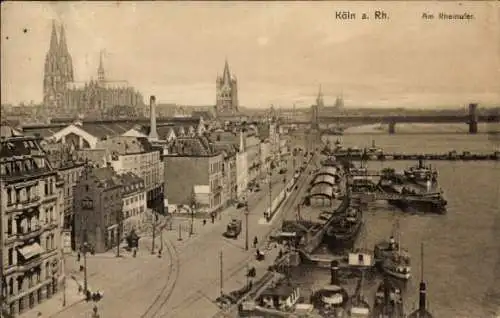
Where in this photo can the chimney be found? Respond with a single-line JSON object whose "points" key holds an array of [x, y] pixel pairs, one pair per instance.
{"points": [[153, 134], [242, 141]]}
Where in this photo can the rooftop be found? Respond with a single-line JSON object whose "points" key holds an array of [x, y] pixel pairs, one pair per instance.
{"points": [[106, 176], [192, 146]]}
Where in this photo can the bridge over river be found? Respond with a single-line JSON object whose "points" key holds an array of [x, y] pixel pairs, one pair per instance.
{"points": [[322, 121]]}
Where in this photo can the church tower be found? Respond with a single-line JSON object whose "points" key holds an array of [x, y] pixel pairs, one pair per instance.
{"points": [[100, 70], [58, 70], [227, 92], [51, 77], [319, 100], [65, 61]]}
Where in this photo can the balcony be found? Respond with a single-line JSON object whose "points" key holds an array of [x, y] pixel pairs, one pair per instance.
{"points": [[29, 264], [33, 232]]}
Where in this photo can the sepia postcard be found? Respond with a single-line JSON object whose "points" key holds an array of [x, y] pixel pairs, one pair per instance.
{"points": [[204, 159]]}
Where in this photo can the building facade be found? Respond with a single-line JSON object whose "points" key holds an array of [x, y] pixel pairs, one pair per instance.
{"points": [[226, 92], [241, 169], [98, 208], [136, 155], [62, 158], [30, 227], [193, 174], [133, 196]]}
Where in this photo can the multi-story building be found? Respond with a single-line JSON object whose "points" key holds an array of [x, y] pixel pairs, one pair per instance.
{"points": [[137, 155], [98, 208], [69, 170], [229, 185], [265, 154], [241, 169], [133, 196], [30, 223], [252, 147], [227, 93], [193, 174]]}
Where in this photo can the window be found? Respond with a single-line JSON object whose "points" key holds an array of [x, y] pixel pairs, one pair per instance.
{"points": [[47, 242], [87, 203], [20, 283], [11, 256], [9, 196], [46, 188], [9, 226], [11, 286], [47, 270]]}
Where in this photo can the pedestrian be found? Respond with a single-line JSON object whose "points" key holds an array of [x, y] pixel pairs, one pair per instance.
{"points": [[204, 221], [212, 215], [78, 257], [255, 242]]}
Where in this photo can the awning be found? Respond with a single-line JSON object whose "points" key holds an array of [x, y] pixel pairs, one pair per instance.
{"points": [[31, 250]]}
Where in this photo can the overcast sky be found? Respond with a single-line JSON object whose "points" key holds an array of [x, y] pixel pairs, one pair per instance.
{"points": [[280, 52]]}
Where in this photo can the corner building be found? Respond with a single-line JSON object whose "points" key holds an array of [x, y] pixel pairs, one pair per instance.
{"points": [[30, 223]]}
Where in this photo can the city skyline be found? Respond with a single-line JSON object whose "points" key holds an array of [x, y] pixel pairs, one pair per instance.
{"points": [[280, 54]]}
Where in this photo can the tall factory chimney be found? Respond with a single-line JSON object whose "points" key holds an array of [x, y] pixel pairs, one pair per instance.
{"points": [[153, 134]]}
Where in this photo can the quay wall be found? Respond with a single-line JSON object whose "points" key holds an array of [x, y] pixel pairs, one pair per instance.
{"points": [[444, 157]]}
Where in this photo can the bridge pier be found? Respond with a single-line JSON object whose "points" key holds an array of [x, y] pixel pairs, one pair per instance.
{"points": [[473, 118], [392, 128]]}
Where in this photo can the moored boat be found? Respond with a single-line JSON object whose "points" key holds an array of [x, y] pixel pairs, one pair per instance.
{"points": [[331, 300], [386, 249], [388, 301], [344, 230], [422, 311], [359, 306], [397, 266], [422, 174]]}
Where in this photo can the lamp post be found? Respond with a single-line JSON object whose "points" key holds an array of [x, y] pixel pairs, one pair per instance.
{"points": [[119, 220], [85, 249], [154, 230], [246, 225], [270, 174], [191, 231]]}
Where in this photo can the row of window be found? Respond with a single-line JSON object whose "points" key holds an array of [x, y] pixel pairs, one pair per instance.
{"points": [[28, 224], [30, 193], [134, 199], [133, 212], [29, 279], [20, 167], [50, 244]]}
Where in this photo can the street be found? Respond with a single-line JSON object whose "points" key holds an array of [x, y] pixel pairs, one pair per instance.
{"points": [[186, 280]]}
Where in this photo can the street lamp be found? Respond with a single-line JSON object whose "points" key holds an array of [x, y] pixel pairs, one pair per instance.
{"points": [[246, 225], [191, 231], [85, 249]]}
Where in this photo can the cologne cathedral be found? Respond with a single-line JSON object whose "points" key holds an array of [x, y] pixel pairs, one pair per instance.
{"points": [[99, 97]]}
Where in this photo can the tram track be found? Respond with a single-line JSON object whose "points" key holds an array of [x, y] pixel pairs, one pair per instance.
{"points": [[166, 291], [239, 266]]}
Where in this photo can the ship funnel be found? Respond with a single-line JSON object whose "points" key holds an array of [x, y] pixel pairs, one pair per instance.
{"points": [[334, 273], [422, 297]]}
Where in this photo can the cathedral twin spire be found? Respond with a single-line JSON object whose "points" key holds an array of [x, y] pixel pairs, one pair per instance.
{"points": [[58, 68]]}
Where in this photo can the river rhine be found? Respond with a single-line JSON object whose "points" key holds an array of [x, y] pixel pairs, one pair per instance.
{"points": [[462, 248]]}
